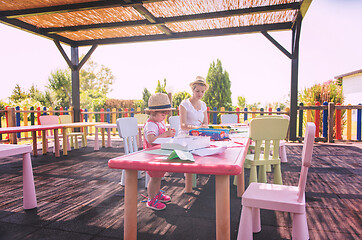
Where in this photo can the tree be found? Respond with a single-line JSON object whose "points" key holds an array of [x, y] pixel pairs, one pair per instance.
{"points": [[241, 101], [219, 93], [161, 88], [18, 94], [94, 83], [93, 77], [60, 83], [145, 96], [329, 91], [92, 99], [178, 97]]}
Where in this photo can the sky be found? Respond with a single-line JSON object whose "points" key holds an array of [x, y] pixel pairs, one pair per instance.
{"points": [[330, 45]]}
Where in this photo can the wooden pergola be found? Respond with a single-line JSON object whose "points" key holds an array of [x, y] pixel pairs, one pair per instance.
{"points": [[91, 23]]}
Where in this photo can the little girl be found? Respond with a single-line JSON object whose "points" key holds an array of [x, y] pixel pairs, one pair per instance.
{"points": [[158, 108]]}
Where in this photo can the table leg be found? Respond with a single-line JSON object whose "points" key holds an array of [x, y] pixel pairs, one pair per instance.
{"points": [[84, 142], [109, 138], [240, 183], [188, 182], [56, 143], [103, 140], [29, 196], [44, 142], [35, 147], [130, 205], [65, 142], [140, 142], [96, 143], [222, 197]]}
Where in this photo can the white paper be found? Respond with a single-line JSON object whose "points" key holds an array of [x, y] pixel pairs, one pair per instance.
{"points": [[186, 143], [162, 140], [209, 151]]}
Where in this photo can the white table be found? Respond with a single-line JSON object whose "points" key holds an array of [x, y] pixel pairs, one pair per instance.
{"points": [[109, 126], [29, 196]]}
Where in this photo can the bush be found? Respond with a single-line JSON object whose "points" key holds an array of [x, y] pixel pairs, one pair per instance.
{"points": [[329, 91]]}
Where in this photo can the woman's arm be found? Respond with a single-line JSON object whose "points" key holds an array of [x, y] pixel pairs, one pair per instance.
{"points": [[183, 117], [205, 123]]}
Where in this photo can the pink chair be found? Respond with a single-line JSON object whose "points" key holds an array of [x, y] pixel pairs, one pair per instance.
{"points": [[51, 120], [278, 198]]}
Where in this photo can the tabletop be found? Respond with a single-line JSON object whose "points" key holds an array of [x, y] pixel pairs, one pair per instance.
{"points": [[28, 128], [226, 163]]}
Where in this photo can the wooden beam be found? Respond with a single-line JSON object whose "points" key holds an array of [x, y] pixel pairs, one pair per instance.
{"points": [[87, 56], [304, 7], [194, 34], [152, 19], [280, 47], [68, 8], [32, 29], [65, 56], [185, 18]]}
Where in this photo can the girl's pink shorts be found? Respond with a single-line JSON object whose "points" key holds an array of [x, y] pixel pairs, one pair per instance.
{"points": [[156, 174]]}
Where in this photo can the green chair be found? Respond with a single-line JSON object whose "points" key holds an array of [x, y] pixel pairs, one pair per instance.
{"points": [[266, 133]]}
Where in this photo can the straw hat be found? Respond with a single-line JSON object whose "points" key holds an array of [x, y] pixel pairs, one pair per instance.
{"points": [[159, 102], [199, 81]]}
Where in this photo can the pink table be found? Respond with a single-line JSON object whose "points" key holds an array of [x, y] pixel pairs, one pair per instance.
{"points": [[223, 165], [29, 196], [33, 129]]}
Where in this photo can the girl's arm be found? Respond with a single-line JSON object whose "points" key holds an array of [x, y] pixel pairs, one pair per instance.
{"points": [[152, 137]]}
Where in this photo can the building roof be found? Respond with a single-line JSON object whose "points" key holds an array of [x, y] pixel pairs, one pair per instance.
{"points": [[90, 22], [349, 74]]}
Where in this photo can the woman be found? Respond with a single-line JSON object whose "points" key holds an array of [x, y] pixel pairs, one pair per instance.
{"points": [[193, 111]]}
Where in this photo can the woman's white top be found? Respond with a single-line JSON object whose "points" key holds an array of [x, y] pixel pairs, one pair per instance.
{"points": [[194, 117]]}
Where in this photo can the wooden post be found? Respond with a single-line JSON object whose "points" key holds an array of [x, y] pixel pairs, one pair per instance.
{"points": [[26, 134], [317, 118], [114, 119], [349, 123], [11, 123], [253, 114], [309, 114], [338, 123], [300, 123], [331, 109]]}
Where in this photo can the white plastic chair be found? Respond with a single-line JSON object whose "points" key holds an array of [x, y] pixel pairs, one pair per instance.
{"points": [[278, 198], [128, 131], [175, 123], [229, 118]]}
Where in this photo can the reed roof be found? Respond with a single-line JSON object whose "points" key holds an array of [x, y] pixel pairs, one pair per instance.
{"points": [[89, 22]]}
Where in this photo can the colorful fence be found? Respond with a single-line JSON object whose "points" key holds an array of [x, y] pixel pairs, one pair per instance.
{"points": [[319, 114]]}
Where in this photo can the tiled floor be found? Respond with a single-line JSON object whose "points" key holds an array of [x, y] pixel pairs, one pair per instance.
{"points": [[79, 198]]}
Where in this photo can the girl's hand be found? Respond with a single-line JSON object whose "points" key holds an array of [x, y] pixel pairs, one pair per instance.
{"points": [[170, 133]]}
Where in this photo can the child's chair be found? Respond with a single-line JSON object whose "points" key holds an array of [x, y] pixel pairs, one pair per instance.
{"points": [[127, 130], [72, 134], [51, 120], [141, 118], [282, 150], [266, 133], [175, 123], [229, 118], [278, 198]]}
